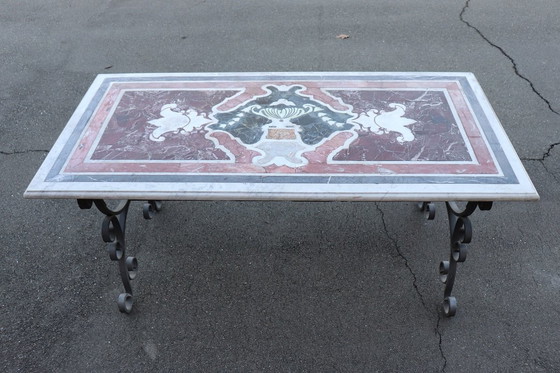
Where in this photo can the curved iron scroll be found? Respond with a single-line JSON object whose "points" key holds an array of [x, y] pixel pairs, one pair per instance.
{"points": [[460, 234], [460, 231], [113, 233], [429, 209]]}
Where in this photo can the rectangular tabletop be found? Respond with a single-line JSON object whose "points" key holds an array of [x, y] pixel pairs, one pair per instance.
{"points": [[284, 136]]}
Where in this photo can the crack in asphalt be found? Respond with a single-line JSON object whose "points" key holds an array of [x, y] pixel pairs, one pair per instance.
{"points": [[515, 67], [401, 255], [546, 154], [414, 282], [438, 332], [13, 152], [550, 172], [543, 163]]}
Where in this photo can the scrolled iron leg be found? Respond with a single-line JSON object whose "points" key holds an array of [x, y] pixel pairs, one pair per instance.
{"points": [[429, 209], [460, 230], [113, 233], [150, 208]]}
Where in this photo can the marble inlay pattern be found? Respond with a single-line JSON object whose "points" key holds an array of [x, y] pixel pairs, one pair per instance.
{"points": [[281, 127], [433, 133], [128, 134], [297, 136]]}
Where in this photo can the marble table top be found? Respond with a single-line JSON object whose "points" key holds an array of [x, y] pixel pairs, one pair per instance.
{"points": [[284, 136]]}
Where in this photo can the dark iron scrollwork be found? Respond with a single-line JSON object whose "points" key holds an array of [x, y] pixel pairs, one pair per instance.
{"points": [[429, 209], [460, 231], [150, 208], [113, 233]]}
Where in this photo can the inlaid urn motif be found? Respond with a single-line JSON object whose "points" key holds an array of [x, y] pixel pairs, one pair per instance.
{"points": [[282, 125]]}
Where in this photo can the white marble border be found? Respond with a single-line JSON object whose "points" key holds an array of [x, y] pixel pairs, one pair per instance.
{"points": [[289, 192], [500, 133]]}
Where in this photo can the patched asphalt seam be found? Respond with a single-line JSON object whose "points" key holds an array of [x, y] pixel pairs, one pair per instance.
{"points": [[414, 282]]}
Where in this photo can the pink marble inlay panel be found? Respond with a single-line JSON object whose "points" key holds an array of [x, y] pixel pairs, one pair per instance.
{"points": [[127, 135], [437, 135]]}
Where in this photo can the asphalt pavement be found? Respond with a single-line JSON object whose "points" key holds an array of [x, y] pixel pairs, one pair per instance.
{"points": [[278, 286]]}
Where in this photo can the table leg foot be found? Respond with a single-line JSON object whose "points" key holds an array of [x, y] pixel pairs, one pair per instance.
{"points": [[449, 306], [125, 302]]}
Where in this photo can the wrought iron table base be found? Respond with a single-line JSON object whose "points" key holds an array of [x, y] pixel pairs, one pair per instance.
{"points": [[114, 226], [460, 234], [113, 233]]}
